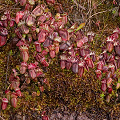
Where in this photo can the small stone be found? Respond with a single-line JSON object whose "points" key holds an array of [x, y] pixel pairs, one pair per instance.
{"points": [[24, 117], [66, 112], [65, 117], [82, 117], [53, 116], [59, 115], [39, 118], [72, 116], [18, 117]]}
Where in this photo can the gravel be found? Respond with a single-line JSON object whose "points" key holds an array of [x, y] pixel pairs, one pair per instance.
{"points": [[63, 113]]}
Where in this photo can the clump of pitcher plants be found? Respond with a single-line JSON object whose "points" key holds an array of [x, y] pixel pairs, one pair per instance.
{"points": [[13, 91], [6, 22], [109, 64], [36, 26]]}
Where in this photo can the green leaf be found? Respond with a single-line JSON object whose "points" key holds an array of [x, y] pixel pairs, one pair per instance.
{"points": [[118, 79], [80, 27], [102, 95], [10, 52], [18, 67], [77, 54], [114, 11], [38, 93], [24, 35]]}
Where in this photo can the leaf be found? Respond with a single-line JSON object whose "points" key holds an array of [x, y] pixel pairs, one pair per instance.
{"points": [[24, 35], [114, 11], [10, 52], [38, 93], [80, 27], [118, 79], [18, 67], [102, 95], [46, 10]]}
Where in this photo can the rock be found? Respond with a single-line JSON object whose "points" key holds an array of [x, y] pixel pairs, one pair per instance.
{"points": [[65, 117], [66, 112], [59, 115], [72, 116], [53, 116], [82, 117]]}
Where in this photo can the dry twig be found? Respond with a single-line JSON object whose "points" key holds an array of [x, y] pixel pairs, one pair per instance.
{"points": [[96, 14], [8, 57], [80, 6]]}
